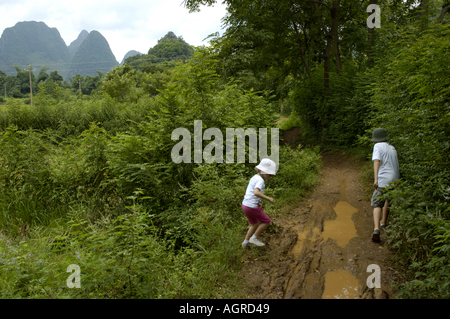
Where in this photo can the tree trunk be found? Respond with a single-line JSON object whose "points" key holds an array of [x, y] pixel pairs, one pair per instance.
{"points": [[326, 69], [370, 41], [302, 51], [334, 32], [423, 14], [444, 10], [329, 38]]}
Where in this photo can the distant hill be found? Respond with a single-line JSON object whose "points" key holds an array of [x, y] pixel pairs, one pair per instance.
{"points": [[129, 55], [37, 44], [33, 43], [171, 47], [73, 47], [93, 55]]}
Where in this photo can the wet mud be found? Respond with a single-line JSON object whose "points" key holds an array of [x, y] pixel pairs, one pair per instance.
{"points": [[322, 248]]}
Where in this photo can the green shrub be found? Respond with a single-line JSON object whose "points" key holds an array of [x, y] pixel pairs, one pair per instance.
{"points": [[410, 100], [292, 121], [335, 119], [297, 174]]}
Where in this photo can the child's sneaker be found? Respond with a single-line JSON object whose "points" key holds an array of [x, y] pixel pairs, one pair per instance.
{"points": [[376, 235], [246, 244], [256, 242]]}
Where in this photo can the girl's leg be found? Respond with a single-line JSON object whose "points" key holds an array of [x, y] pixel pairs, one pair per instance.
{"points": [[260, 219], [260, 229], [251, 231]]}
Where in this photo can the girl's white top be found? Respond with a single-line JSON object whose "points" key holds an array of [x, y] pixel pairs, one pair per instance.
{"points": [[250, 200]]}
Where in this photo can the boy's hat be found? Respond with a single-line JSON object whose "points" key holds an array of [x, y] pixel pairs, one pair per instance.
{"points": [[379, 135], [267, 166]]}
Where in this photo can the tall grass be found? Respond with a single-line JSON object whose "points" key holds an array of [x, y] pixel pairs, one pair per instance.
{"points": [[72, 118], [91, 183]]}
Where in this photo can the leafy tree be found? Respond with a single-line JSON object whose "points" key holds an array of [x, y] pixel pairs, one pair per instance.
{"points": [[118, 83], [292, 36], [54, 75], [91, 83], [22, 83], [11, 90], [87, 85], [2, 82], [42, 76]]}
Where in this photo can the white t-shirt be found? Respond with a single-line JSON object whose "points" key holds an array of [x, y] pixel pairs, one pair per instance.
{"points": [[250, 200], [389, 168]]}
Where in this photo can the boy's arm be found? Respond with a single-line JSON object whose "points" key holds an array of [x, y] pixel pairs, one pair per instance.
{"points": [[258, 193], [376, 166]]}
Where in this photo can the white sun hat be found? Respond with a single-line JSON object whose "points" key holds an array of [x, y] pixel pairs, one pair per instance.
{"points": [[267, 166]]}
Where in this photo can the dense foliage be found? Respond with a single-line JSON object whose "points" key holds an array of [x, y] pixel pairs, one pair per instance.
{"points": [[171, 47], [168, 49], [342, 80], [91, 182], [87, 173], [411, 99]]}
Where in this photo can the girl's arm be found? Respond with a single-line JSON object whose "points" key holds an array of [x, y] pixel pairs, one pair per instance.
{"points": [[258, 193]]}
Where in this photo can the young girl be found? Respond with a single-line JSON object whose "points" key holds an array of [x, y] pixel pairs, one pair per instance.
{"points": [[252, 202]]}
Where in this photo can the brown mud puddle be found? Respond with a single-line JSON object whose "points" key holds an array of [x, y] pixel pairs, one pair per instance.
{"points": [[340, 285], [323, 247]]}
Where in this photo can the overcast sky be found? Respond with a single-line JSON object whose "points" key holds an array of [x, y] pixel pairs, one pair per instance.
{"points": [[126, 24]]}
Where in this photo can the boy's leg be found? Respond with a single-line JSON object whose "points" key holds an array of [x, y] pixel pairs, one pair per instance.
{"points": [[377, 203], [376, 224], [376, 217], [385, 212]]}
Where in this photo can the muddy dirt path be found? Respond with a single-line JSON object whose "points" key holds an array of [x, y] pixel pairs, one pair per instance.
{"points": [[322, 248]]}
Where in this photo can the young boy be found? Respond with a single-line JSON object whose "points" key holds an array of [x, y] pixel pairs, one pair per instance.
{"points": [[386, 169], [251, 204]]}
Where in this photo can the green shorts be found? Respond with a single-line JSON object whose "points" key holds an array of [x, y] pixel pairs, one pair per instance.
{"points": [[375, 201]]}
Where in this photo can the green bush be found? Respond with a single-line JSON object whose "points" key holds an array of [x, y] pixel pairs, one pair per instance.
{"points": [[411, 100], [335, 119], [292, 121], [297, 174], [118, 258]]}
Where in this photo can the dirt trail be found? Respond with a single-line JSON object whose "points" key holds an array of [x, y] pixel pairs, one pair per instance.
{"points": [[323, 247]]}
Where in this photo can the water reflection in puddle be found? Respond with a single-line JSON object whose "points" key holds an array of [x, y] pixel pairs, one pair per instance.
{"points": [[342, 229], [340, 285]]}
